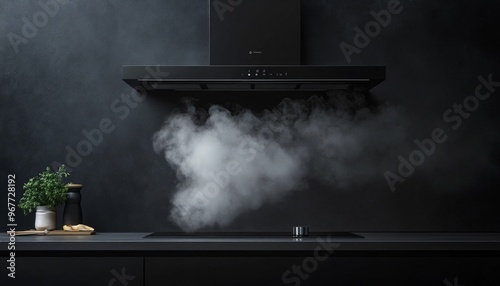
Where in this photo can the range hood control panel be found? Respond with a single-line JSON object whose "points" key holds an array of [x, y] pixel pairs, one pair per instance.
{"points": [[264, 73]]}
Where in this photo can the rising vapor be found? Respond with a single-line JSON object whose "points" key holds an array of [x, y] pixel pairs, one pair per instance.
{"points": [[231, 163]]}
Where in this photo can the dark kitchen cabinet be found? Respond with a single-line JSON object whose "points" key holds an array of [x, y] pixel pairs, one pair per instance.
{"points": [[386, 271], [77, 271]]}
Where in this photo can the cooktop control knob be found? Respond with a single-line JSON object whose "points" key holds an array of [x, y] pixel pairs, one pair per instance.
{"points": [[300, 231]]}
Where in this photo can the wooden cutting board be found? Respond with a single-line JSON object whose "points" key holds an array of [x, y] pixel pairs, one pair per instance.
{"points": [[53, 232]]}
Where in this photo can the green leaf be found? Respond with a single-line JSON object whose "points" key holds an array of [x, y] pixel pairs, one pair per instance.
{"points": [[46, 189]]}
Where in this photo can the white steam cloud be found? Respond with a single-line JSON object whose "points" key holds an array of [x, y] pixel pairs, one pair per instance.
{"points": [[232, 163]]}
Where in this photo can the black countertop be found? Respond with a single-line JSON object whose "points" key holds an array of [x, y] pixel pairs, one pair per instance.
{"points": [[135, 242]]}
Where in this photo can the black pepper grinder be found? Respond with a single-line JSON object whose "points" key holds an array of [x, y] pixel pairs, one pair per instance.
{"points": [[72, 209]]}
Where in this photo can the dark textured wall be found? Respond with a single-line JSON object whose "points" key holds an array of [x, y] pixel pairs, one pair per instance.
{"points": [[66, 77]]}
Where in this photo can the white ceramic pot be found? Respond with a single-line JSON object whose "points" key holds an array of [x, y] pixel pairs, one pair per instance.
{"points": [[45, 218]]}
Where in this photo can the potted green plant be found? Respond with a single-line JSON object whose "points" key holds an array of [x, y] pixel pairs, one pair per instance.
{"points": [[44, 193]]}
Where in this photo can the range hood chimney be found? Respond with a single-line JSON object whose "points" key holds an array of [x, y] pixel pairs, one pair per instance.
{"points": [[254, 45]]}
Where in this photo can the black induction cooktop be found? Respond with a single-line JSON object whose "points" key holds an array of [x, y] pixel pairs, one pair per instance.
{"points": [[246, 234]]}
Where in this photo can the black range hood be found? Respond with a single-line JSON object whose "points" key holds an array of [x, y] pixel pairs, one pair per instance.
{"points": [[265, 77], [254, 46]]}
